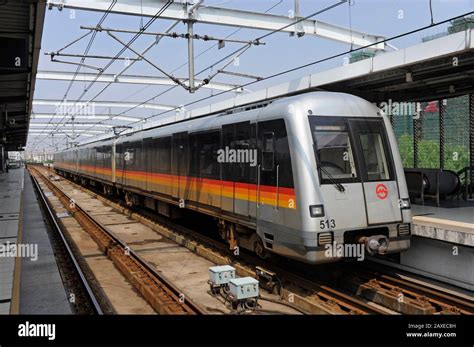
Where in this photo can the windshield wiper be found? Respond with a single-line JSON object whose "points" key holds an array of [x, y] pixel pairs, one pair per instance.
{"points": [[331, 179]]}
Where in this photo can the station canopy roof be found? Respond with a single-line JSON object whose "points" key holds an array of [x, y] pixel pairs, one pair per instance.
{"points": [[21, 26]]}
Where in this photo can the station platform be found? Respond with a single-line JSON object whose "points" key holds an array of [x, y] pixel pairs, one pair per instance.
{"points": [[442, 244], [455, 225], [30, 281]]}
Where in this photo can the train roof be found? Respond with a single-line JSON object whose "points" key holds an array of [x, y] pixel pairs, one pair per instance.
{"points": [[319, 103]]}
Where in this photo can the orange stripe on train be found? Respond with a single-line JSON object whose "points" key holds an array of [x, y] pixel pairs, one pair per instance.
{"points": [[227, 189]]}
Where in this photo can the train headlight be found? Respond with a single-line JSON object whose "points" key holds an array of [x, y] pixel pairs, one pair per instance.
{"points": [[316, 211], [405, 204]]}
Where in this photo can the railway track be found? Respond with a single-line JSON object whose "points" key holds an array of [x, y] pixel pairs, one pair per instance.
{"points": [[92, 305], [162, 295], [435, 301], [318, 299], [372, 286], [364, 291]]}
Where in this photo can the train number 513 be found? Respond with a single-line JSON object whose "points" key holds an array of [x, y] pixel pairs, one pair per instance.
{"points": [[329, 224]]}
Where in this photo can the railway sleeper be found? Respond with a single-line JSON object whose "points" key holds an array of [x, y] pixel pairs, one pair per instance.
{"points": [[312, 304], [395, 299], [159, 298]]}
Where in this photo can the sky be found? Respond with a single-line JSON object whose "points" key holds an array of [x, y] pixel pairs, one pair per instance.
{"points": [[281, 51]]}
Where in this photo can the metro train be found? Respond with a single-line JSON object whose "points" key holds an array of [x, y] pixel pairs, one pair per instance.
{"points": [[293, 176]]}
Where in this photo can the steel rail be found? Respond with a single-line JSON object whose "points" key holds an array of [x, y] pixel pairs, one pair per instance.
{"points": [[434, 296], [352, 303], [384, 276], [94, 303], [161, 294], [348, 303]]}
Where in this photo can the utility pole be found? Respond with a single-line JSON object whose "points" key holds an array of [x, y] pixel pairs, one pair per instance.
{"points": [[191, 55], [190, 23], [72, 120], [298, 26]]}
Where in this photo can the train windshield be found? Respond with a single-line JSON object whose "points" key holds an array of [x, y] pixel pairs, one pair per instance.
{"points": [[334, 151], [374, 156], [351, 150]]}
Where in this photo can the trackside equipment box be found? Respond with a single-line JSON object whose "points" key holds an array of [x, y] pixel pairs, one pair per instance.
{"points": [[244, 288], [219, 275]]}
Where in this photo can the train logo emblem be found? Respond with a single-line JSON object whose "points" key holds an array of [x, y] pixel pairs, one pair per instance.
{"points": [[382, 191]]}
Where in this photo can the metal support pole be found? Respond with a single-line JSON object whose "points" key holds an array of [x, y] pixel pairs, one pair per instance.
{"points": [[470, 173], [417, 135], [442, 112], [191, 56], [299, 26], [72, 121], [471, 130]]}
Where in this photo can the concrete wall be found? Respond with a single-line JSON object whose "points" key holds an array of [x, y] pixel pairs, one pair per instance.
{"points": [[438, 260]]}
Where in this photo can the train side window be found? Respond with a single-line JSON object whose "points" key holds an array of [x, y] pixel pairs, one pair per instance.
{"points": [[128, 156], [164, 149], [242, 145], [137, 164], [268, 151], [204, 154], [227, 138], [108, 154], [236, 137], [118, 156], [180, 153], [153, 156]]}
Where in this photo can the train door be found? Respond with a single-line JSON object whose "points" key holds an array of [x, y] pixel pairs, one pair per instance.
{"points": [[253, 173], [228, 169], [126, 162], [246, 158], [149, 149], [377, 171], [119, 163], [268, 172], [113, 160], [236, 168], [339, 174], [76, 160], [179, 168]]}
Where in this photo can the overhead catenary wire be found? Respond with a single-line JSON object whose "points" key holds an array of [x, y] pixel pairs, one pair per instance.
{"points": [[176, 69], [311, 64], [330, 7], [241, 50], [307, 65], [301, 66], [134, 38], [86, 51]]}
